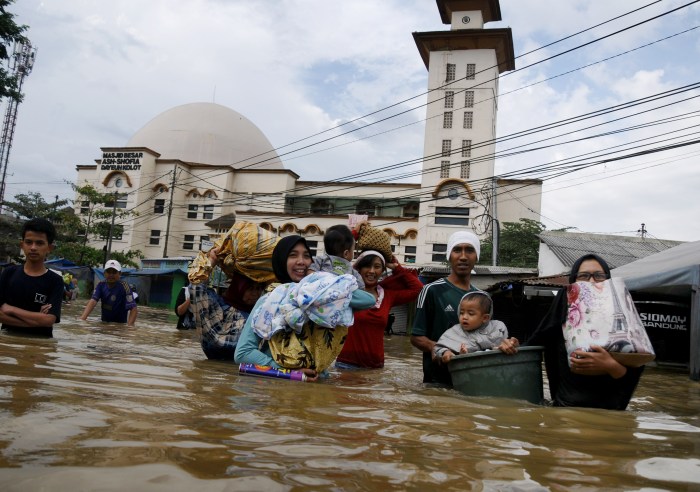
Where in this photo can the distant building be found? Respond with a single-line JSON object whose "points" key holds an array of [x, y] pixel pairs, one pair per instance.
{"points": [[193, 170], [559, 250]]}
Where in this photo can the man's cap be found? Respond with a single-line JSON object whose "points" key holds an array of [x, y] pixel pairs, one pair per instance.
{"points": [[113, 264]]}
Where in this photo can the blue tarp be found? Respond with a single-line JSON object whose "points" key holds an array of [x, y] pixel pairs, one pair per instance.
{"points": [[159, 271], [674, 272], [60, 263]]}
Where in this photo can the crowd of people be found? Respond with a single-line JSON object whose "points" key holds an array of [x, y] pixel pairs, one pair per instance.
{"points": [[332, 309]]}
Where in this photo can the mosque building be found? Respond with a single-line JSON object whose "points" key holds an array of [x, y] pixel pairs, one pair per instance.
{"points": [[193, 170]]}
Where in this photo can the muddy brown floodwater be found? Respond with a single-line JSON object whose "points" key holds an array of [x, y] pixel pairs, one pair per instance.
{"points": [[107, 407]]}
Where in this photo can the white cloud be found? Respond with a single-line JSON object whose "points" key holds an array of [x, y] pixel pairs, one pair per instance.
{"points": [[296, 68]]}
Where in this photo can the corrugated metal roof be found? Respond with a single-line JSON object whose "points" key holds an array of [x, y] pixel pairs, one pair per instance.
{"points": [[548, 281], [503, 270], [158, 271], [616, 250], [481, 270]]}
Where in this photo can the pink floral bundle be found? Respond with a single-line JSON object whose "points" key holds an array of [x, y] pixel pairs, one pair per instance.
{"points": [[603, 314]]}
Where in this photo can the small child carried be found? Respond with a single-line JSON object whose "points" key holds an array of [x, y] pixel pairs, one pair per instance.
{"points": [[306, 322], [476, 330], [339, 245]]}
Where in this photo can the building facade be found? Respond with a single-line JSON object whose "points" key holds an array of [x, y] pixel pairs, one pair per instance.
{"points": [[193, 170]]}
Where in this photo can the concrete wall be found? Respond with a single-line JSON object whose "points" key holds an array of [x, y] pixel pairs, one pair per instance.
{"points": [[548, 263]]}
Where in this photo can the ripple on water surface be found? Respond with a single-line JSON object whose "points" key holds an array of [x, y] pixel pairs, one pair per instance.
{"points": [[141, 408]]}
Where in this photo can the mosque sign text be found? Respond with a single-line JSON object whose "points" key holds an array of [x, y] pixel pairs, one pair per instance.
{"points": [[121, 161]]}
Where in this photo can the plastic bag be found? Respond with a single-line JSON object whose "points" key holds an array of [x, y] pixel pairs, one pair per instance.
{"points": [[603, 313]]}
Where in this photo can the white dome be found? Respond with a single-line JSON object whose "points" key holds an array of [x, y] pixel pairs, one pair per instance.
{"points": [[207, 133]]}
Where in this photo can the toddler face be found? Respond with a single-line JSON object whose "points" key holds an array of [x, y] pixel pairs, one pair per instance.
{"points": [[471, 316], [349, 254]]}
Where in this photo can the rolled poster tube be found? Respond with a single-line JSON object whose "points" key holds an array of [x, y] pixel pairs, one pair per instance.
{"points": [[271, 372]]}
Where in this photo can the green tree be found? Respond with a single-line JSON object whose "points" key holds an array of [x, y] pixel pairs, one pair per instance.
{"points": [[518, 244], [27, 206], [9, 237], [95, 220], [74, 251], [72, 231], [10, 33], [32, 204]]}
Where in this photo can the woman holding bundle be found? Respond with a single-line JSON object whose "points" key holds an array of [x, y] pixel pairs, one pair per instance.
{"points": [[586, 379], [311, 349], [244, 254]]}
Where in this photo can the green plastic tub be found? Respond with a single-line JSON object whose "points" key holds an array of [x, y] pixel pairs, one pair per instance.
{"points": [[493, 373]]}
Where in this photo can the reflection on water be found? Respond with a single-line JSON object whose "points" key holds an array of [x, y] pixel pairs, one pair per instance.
{"points": [[110, 407]]}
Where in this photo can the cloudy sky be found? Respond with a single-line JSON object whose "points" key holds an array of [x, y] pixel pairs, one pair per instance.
{"points": [[296, 68]]}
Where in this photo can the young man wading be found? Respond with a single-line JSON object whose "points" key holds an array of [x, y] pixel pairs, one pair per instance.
{"points": [[438, 304]]}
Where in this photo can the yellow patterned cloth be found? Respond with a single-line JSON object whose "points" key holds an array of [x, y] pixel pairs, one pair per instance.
{"points": [[245, 249], [315, 347]]}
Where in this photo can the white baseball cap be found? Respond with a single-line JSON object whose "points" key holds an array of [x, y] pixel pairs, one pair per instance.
{"points": [[113, 264]]}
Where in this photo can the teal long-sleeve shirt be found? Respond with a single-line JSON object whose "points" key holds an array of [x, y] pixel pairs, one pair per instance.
{"points": [[248, 349]]}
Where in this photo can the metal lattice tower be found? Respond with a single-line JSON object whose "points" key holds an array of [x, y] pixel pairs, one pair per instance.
{"points": [[21, 66]]}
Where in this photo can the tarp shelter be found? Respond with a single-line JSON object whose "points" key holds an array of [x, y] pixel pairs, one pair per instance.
{"points": [[82, 273], [157, 287], [672, 273]]}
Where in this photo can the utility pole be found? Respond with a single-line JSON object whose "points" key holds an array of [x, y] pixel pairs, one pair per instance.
{"points": [[495, 226], [642, 232], [108, 246], [170, 212]]}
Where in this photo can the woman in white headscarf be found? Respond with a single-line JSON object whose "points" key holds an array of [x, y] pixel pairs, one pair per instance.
{"points": [[364, 346]]}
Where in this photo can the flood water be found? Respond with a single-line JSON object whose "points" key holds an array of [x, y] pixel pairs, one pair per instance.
{"points": [[107, 407]]}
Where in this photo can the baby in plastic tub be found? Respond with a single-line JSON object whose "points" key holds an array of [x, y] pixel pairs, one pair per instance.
{"points": [[476, 330]]}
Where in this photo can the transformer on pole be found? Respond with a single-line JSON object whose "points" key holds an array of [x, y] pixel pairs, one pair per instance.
{"points": [[21, 66]]}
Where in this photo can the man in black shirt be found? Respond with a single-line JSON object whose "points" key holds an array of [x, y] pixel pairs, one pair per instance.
{"points": [[30, 294]]}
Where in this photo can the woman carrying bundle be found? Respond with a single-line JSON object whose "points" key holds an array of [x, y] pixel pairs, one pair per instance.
{"points": [[244, 255], [587, 378], [310, 347]]}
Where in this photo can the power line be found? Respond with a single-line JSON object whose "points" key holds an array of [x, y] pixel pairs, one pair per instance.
{"points": [[437, 156], [570, 50]]}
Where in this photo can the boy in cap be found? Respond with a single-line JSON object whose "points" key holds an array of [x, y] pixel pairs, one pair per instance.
{"points": [[118, 304], [438, 303], [30, 294]]}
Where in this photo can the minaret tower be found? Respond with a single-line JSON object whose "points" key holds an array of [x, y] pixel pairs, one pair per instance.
{"points": [[463, 65]]}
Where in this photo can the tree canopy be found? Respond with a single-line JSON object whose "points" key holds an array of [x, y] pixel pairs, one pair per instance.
{"points": [[518, 244], [72, 231], [10, 33]]}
